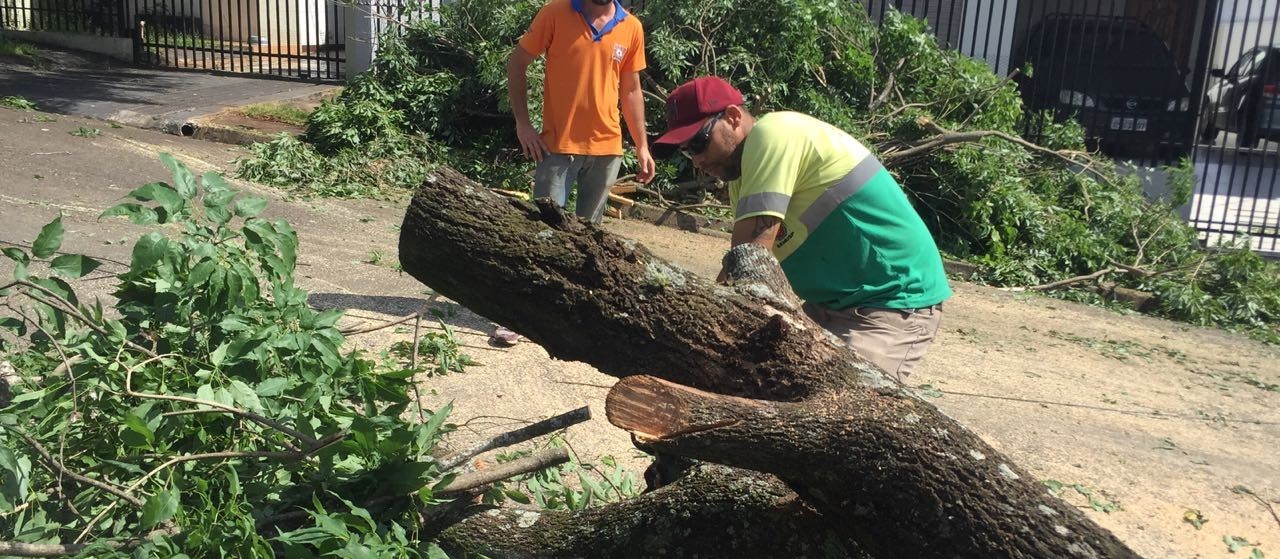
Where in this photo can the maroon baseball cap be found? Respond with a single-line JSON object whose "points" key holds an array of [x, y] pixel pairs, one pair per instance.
{"points": [[689, 105]]}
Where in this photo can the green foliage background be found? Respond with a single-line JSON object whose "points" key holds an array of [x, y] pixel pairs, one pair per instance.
{"points": [[1025, 217]]}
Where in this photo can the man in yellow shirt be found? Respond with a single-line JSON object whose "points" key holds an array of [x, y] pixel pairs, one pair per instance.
{"points": [[595, 52], [843, 230]]}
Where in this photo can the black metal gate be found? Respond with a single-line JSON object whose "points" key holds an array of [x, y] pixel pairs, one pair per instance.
{"points": [[301, 39], [1238, 153], [1151, 82]]}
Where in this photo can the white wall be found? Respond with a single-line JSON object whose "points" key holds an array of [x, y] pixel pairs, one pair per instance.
{"points": [[1242, 25]]}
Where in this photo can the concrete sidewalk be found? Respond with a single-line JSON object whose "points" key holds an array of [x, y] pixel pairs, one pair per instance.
{"points": [[173, 101]]}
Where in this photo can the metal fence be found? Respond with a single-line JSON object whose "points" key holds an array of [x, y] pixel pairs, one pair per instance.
{"points": [[300, 39], [1151, 82], [1239, 127], [96, 17]]}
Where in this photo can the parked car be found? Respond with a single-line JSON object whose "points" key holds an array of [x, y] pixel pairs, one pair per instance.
{"points": [[1114, 75], [1244, 99]]}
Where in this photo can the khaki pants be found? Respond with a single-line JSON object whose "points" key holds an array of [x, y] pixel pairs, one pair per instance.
{"points": [[893, 339]]}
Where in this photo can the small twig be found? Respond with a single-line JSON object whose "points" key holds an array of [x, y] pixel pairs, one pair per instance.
{"points": [[472, 480], [946, 137], [1242, 490], [62, 469], [688, 207], [888, 87], [20, 549], [413, 364], [1068, 281], [416, 314], [51, 153], [517, 436]]}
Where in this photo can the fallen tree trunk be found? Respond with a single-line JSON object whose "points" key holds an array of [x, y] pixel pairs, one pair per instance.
{"points": [[739, 376]]}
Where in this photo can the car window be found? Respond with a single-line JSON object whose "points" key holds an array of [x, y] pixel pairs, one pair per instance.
{"points": [[1247, 61]]}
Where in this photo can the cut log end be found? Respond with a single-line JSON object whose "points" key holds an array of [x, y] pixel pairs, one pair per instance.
{"points": [[655, 409]]}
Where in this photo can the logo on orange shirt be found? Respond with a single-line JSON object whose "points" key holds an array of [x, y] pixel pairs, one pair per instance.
{"points": [[619, 51]]}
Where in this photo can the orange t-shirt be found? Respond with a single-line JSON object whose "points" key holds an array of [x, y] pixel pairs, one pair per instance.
{"points": [[584, 70]]}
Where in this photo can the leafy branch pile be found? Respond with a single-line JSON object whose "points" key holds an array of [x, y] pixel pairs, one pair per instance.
{"points": [[1046, 214], [210, 412]]}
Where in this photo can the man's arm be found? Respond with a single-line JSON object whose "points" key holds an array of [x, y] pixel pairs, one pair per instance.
{"points": [[633, 113], [761, 230], [518, 92]]}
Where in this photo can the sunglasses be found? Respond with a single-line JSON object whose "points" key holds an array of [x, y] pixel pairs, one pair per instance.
{"points": [[699, 142]]}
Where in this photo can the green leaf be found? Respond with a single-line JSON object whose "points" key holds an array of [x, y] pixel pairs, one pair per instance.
{"points": [[219, 199], [159, 508], [135, 424], [149, 250], [250, 207], [18, 326], [1257, 554], [205, 393], [218, 214], [218, 355], [17, 255], [274, 386], [245, 396], [434, 552], [213, 182], [516, 496], [138, 214], [1235, 543], [233, 324], [49, 240], [182, 177], [161, 193], [74, 265]]}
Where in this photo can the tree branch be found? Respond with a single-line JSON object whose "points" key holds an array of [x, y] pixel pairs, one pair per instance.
{"points": [[520, 435], [62, 469], [478, 478], [20, 549], [71, 310]]}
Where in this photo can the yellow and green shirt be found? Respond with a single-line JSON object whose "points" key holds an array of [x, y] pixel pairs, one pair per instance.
{"points": [[849, 235]]}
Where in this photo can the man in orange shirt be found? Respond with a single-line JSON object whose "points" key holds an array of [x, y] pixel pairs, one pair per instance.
{"points": [[595, 51]]}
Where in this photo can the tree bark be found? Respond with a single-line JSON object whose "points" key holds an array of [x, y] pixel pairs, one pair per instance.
{"points": [[910, 481], [713, 511], [750, 381]]}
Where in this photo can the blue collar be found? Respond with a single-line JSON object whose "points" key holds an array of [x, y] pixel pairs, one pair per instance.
{"points": [[619, 14]]}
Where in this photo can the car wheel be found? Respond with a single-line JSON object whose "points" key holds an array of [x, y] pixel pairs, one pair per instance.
{"points": [[1208, 128], [1209, 133]]}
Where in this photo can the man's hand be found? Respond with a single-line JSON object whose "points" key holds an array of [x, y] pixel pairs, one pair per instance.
{"points": [[531, 142], [645, 166]]}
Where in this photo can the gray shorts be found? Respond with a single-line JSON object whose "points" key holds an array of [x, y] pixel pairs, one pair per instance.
{"points": [[893, 339], [595, 174]]}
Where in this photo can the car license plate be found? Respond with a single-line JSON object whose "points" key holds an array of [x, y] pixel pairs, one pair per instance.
{"points": [[1134, 124]]}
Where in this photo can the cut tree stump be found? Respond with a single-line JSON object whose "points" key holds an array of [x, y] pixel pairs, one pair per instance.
{"points": [[736, 375]]}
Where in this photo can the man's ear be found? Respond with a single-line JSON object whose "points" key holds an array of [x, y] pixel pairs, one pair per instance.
{"points": [[734, 114]]}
